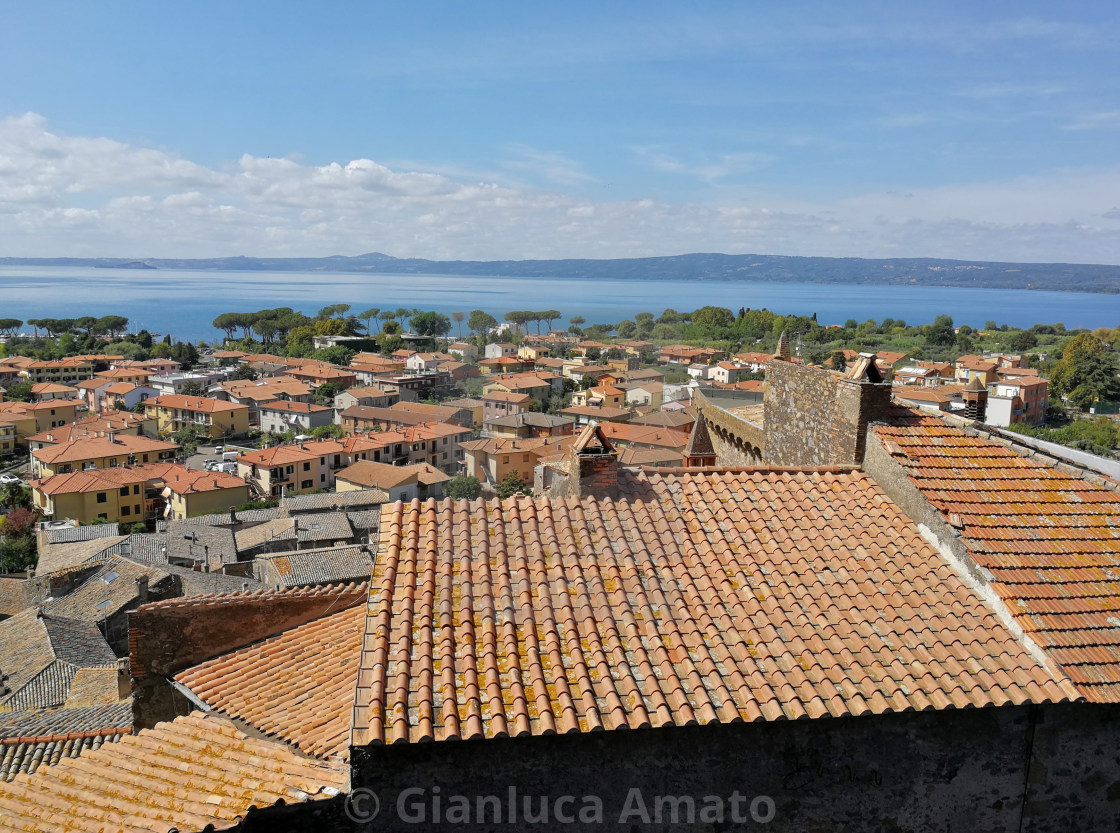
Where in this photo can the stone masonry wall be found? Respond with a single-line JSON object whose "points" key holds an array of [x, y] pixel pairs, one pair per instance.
{"points": [[799, 409]]}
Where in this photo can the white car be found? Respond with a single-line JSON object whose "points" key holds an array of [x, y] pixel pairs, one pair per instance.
{"points": [[8, 479]]}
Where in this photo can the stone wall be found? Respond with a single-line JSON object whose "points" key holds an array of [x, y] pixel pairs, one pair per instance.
{"points": [[1030, 768], [736, 441], [815, 417], [800, 403]]}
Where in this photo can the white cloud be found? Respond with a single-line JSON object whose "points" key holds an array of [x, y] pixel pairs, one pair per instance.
{"points": [[77, 196]]}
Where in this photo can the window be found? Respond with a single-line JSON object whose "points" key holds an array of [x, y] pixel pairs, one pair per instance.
{"points": [[306, 484], [136, 489], [322, 478], [145, 458], [103, 516], [307, 466], [124, 491], [505, 460], [126, 510], [102, 497]]}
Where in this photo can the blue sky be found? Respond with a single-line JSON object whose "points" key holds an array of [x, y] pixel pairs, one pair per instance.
{"points": [[519, 130]]}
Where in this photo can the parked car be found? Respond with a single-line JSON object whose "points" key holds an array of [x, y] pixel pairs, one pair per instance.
{"points": [[8, 479], [209, 465]]}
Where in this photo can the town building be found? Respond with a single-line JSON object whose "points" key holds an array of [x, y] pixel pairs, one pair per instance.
{"points": [[215, 417], [99, 452], [413, 482], [298, 417]]}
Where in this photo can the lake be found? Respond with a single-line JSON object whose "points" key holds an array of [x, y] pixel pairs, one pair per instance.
{"points": [[184, 302]]}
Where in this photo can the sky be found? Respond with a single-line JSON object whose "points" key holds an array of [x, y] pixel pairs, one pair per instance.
{"points": [[485, 130]]}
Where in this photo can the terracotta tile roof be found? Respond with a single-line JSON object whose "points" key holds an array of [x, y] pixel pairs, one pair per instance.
{"points": [[51, 387], [43, 737], [635, 455], [297, 685], [648, 435], [667, 419], [384, 476], [91, 426], [339, 589], [715, 597], [293, 407], [198, 771], [196, 404], [93, 448], [502, 396], [1050, 540]]}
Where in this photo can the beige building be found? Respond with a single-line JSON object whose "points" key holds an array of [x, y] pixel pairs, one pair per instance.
{"points": [[215, 417]]}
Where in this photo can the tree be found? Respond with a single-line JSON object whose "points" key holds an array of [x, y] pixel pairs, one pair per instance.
{"points": [[838, 360], [335, 354], [324, 432], [1086, 373], [111, 325], [191, 388], [10, 326], [1022, 341], [15, 496], [370, 315], [430, 324], [941, 333], [464, 488], [243, 371], [577, 320], [189, 437], [333, 311], [711, 318], [325, 393], [19, 392], [549, 315], [18, 553], [512, 485], [458, 317], [480, 321]]}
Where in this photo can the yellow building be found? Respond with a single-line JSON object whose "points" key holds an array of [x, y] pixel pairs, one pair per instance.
{"points": [[137, 493], [32, 418], [215, 417], [107, 452], [63, 371], [7, 438], [492, 460]]}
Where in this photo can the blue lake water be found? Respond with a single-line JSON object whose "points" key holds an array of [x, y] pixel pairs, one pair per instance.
{"points": [[184, 302]]}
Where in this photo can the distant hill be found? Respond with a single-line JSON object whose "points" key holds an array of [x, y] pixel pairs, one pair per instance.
{"points": [[1069, 277]]}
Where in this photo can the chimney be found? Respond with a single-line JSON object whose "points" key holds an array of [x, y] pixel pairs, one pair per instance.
{"points": [[142, 589], [594, 464], [112, 436], [975, 398]]}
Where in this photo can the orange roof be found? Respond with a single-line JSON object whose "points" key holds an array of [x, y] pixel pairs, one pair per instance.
{"points": [[92, 448], [1051, 541], [51, 387], [92, 384], [183, 481], [293, 407], [124, 373], [197, 771], [54, 403], [652, 435], [120, 388], [297, 685], [502, 396], [92, 425], [194, 403], [557, 613]]}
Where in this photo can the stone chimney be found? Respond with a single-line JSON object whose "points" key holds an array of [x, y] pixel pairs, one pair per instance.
{"points": [[594, 464], [142, 589], [975, 397]]}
